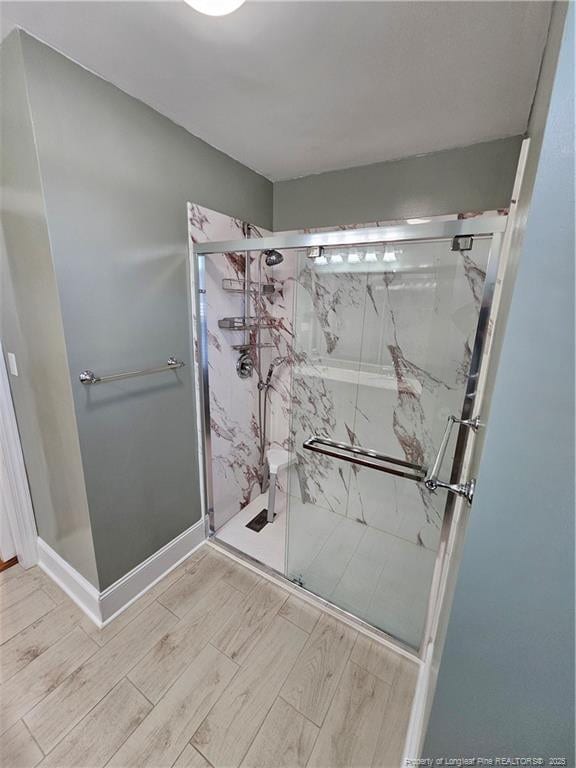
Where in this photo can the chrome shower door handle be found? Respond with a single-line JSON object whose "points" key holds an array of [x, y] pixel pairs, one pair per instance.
{"points": [[365, 457], [432, 481]]}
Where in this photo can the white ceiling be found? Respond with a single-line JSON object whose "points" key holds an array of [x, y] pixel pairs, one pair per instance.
{"points": [[292, 88]]}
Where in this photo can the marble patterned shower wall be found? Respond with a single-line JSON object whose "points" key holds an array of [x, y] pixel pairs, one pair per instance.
{"points": [[234, 423]]}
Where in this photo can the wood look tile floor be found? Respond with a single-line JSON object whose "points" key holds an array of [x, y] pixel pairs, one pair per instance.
{"points": [[213, 667]]}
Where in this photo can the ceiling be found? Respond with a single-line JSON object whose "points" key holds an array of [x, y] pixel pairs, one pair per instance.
{"points": [[293, 88]]}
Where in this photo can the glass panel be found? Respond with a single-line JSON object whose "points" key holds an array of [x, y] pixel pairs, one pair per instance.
{"points": [[382, 342]]}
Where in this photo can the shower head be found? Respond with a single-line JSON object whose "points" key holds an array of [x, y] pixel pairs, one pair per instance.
{"points": [[273, 258]]}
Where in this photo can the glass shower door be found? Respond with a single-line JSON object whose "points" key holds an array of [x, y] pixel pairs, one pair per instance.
{"points": [[383, 339]]}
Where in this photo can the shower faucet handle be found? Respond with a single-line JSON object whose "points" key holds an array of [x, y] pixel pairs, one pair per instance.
{"points": [[245, 365]]}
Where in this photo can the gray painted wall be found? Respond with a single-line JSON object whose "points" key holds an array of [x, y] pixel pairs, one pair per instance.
{"points": [[31, 326], [475, 178], [115, 178], [506, 681]]}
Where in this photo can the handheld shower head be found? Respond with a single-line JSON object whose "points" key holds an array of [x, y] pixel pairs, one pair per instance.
{"points": [[274, 364], [273, 257]]}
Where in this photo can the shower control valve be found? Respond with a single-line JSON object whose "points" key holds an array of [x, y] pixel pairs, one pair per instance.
{"points": [[245, 366]]}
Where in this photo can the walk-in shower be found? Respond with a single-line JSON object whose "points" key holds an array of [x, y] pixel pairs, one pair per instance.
{"points": [[374, 341]]}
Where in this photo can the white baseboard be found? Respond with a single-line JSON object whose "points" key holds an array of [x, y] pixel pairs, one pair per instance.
{"points": [[79, 589], [102, 607], [118, 596]]}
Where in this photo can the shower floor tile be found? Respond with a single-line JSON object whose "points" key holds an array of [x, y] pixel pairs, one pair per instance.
{"points": [[269, 545], [372, 574], [387, 582]]}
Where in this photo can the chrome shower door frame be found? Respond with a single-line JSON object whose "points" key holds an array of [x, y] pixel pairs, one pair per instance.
{"points": [[482, 226]]}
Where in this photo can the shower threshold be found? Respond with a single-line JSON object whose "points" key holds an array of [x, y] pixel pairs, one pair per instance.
{"points": [[274, 575]]}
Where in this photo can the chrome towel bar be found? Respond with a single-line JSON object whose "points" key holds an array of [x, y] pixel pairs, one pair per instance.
{"points": [[432, 482], [89, 377], [365, 458]]}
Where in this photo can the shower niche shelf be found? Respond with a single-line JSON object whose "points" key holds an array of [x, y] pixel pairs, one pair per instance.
{"points": [[239, 286], [242, 323]]}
